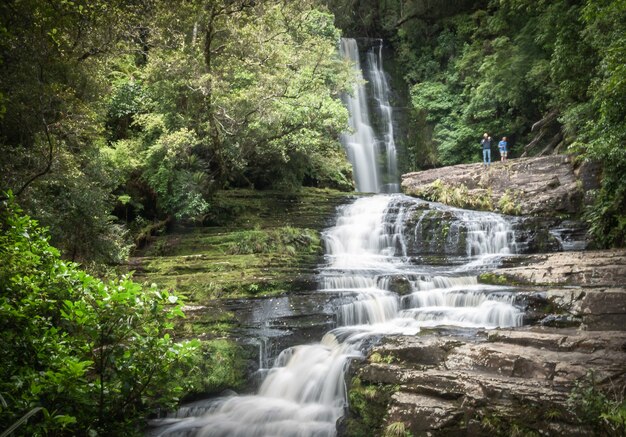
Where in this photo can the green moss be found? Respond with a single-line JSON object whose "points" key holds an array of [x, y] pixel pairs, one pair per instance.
{"points": [[221, 364], [376, 357], [255, 244], [494, 279], [368, 406], [258, 262], [454, 195], [252, 244]]}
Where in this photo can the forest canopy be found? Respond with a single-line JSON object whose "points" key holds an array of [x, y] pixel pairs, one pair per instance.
{"points": [[125, 112]]}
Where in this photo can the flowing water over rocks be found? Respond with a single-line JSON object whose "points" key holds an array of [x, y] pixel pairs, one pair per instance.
{"points": [[393, 266], [379, 287], [400, 278]]}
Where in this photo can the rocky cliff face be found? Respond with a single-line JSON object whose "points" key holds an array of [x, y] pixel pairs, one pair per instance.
{"points": [[537, 380], [545, 185]]}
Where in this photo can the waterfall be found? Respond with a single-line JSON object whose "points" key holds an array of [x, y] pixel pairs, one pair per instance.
{"points": [[304, 393], [374, 274], [362, 144], [381, 91], [367, 251]]}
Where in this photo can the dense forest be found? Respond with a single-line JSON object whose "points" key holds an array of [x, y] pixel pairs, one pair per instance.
{"points": [[121, 117]]}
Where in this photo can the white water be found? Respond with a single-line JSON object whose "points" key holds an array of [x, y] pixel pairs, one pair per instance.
{"points": [[362, 143], [380, 91], [304, 393]]}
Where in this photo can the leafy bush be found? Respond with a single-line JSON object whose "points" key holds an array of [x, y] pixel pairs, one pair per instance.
{"points": [[604, 411], [95, 356]]}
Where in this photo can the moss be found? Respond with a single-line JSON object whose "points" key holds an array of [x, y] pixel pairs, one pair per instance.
{"points": [[254, 244], [376, 357], [494, 279], [258, 262], [219, 365], [368, 406], [455, 195]]}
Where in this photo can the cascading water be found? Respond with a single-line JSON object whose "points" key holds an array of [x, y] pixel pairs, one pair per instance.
{"points": [[373, 270], [380, 92], [367, 254], [362, 143]]}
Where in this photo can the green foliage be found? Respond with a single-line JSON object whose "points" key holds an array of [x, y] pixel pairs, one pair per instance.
{"points": [[95, 356], [378, 358], [458, 195], [604, 133], [396, 429], [368, 406], [218, 365], [604, 410], [549, 75], [52, 85], [105, 100], [508, 204]]}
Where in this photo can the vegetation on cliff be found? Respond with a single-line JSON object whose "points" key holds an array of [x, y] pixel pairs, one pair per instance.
{"points": [[87, 357], [548, 75]]}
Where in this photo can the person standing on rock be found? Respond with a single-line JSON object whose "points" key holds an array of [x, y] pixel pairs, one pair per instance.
{"points": [[486, 143], [502, 145]]}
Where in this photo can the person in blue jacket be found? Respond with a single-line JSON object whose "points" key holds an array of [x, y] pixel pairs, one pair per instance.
{"points": [[486, 143], [502, 145]]}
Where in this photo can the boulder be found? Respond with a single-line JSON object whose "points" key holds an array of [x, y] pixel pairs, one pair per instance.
{"points": [[545, 185]]}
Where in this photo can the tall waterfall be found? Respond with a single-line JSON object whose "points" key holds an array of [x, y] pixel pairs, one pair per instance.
{"points": [[374, 172], [380, 92]]}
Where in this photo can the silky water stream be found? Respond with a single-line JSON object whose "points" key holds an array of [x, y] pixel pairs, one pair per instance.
{"points": [[377, 243]]}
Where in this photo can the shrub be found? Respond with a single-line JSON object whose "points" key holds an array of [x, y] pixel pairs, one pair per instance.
{"points": [[96, 356]]}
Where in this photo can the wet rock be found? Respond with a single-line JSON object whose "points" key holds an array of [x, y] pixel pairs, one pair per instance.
{"points": [[400, 285], [581, 268], [597, 303], [425, 414], [561, 321]]}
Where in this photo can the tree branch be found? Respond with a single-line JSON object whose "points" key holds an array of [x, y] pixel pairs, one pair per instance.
{"points": [[17, 193], [545, 120]]}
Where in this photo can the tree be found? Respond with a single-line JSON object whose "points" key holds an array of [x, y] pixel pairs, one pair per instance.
{"points": [[52, 79]]}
